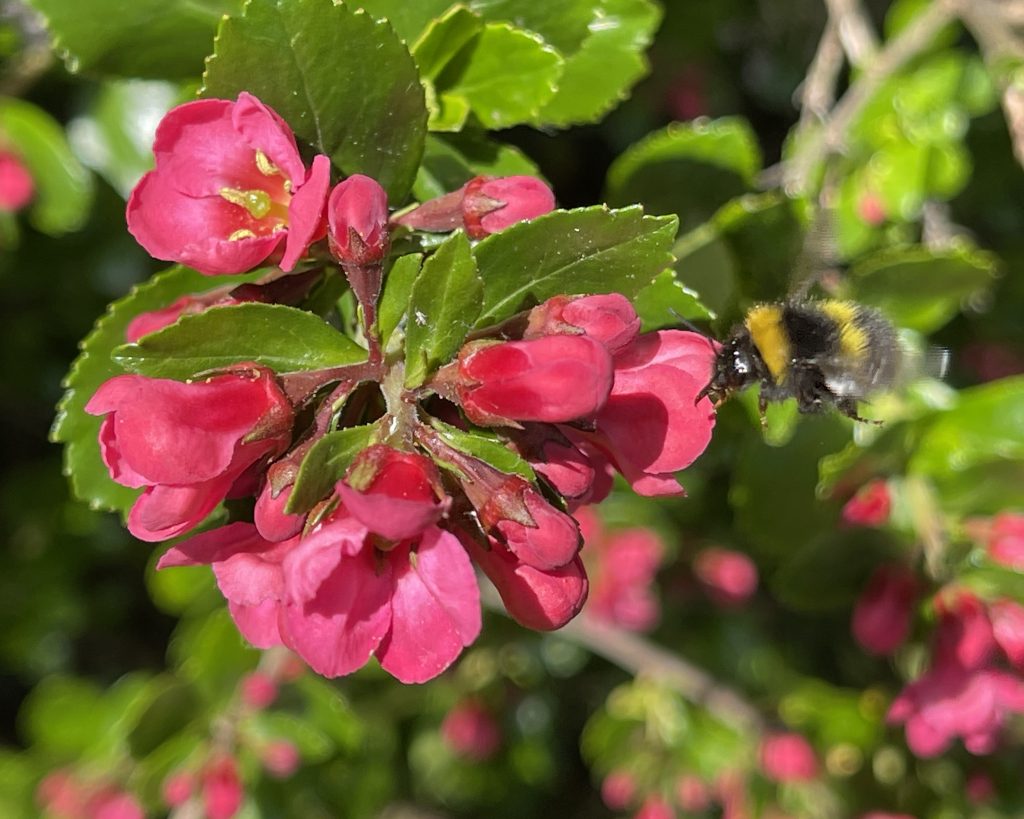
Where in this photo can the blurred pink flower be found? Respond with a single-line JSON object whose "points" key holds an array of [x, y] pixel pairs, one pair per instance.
{"points": [[258, 690], [16, 184], [222, 788], [870, 506], [280, 758], [470, 730], [618, 790], [788, 757], [1006, 540], [882, 616], [730, 577]]}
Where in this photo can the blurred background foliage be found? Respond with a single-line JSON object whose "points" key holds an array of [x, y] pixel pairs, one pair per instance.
{"points": [[120, 674]]}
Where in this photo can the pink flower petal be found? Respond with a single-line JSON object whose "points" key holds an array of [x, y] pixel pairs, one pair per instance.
{"points": [[163, 512], [258, 624], [265, 131], [306, 212], [318, 554], [215, 546]]}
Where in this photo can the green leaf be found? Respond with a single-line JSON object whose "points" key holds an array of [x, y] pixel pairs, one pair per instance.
{"points": [[665, 300], [312, 743], [505, 74], [79, 431], [920, 288], [153, 39], [343, 81], [487, 448], [443, 38], [64, 189], [690, 169], [394, 302], [115, 136], [445, 301], [590, 250], [451, 160], [599, 75], [172, 704], [325, 465], [974, 453], [285, 339]]}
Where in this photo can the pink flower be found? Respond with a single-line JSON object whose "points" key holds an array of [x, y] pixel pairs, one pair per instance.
{"points": [[554, 378], [729, 576], [964, 635], [692, 794], [622, 566], [1006, 540], [882, 616], [471, 731], [269, 516], [357, 221], [115, 805], [258, 690], [187, 443], [540, 599], [177, 788], [491, 204], [228, 190], [652, 426], [618, 790], [61, 794], [980, 788], [870, 506], [222, 788], [609, 318], [395, 494], [16, 184], [787, 757], [335, 599], [281, 759], [153, 320], [655, 807], [1008, 628], [871, 209]]}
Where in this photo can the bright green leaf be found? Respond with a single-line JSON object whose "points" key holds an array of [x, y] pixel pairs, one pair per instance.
{"points": [[343, 81], [665, 300], [590, 250], [443, 38], [394, 301], [487, 448], [445, 301], [89, 477], [505, 74], [64, 189], [153, 39], [325, 464], [285, 339], [451, 160]]}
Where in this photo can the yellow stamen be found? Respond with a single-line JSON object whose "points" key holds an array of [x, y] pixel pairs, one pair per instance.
{"points": [[256, 202], [266, 167], [241, 234]]}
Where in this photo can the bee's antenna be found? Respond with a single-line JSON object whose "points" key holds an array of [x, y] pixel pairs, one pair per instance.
{"points": [[689, 325]]}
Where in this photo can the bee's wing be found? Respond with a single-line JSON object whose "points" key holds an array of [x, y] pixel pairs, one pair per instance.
{"points": [[818, 254]]}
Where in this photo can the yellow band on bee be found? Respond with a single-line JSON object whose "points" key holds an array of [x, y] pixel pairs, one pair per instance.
{"points": [[853, 340], [764, 323]]}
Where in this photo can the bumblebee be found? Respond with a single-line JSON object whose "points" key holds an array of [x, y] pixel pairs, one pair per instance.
{"points": [[824, 353]]}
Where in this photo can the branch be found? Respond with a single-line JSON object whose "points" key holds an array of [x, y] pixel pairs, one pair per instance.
{"points": [[897, 53], [854, 29], [638, 655]]}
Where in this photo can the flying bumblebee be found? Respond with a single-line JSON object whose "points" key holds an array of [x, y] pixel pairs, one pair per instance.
{"points": [[823, 353]]}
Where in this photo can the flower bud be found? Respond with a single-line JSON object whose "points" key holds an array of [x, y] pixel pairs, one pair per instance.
{"points": [[395, 494], [787, 757], [552, 539], [552, 379], [980, 788], [618, 790], [692, 794], [655, 807], [222, 788], [608, 318], [114, 804], [258, 690], [730, 577], [964, 635], [1008, 628], [16, 184], [881, 618], [471, 731], [870, 506], [491, 204], [272, 522], [177, 788], [357, 221], [1006, 540], [281, 759]]}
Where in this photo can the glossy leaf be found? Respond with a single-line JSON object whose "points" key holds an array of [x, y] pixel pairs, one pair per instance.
{"points": [[394, 301], [920, 288], [443, 38], [325, 465], [154, 39], [689, 169], [78, 431], [63, 188], [665, 300], [487, 448], [283, 338], [504, 74], [451, 160], [343, 81], [445, 301], [590, 250]]}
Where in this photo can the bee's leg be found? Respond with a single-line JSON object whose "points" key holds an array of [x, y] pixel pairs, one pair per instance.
{"points": [[809, 389], [762, 407], [848, 407]]}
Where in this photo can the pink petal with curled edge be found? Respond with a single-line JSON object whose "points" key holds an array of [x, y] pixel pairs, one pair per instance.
{"points": [[163, 512], [265, 131], [215, 546], [306, 212], [317, 555], [338, 630], [390, 517], [258, 624], [435, 608], [175, 227], [111, 455]]}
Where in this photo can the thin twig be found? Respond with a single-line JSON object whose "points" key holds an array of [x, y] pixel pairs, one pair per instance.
{"points": [[818, 90], [855, 32], [897, 52]]}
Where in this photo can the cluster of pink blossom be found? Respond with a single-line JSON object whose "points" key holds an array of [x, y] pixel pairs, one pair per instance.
{"points": [[63, 794], [382, 564], [967, 692]]}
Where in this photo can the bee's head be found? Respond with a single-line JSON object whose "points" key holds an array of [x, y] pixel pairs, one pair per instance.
{"points": [[734, 368]]}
